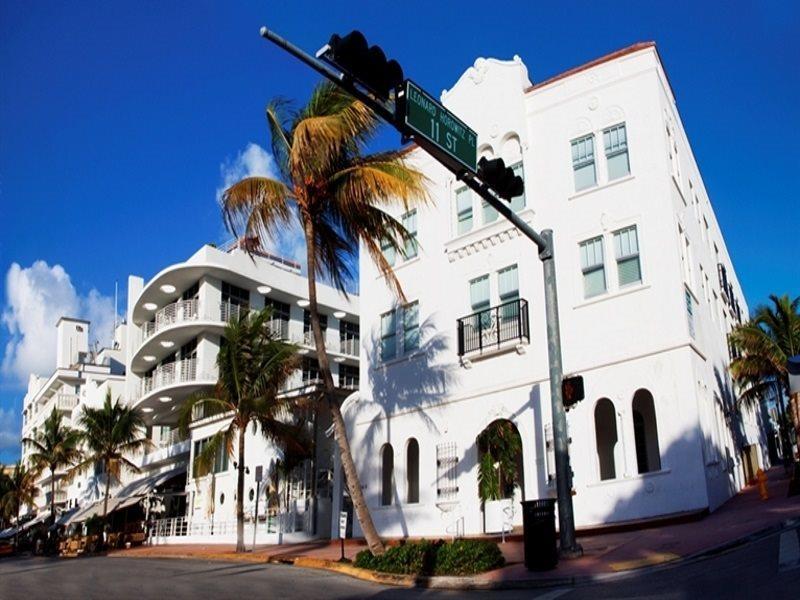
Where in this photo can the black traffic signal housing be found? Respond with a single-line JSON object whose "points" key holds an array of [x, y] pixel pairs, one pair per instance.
{"points": [[500, 178], [365, 64], [572, 390]]}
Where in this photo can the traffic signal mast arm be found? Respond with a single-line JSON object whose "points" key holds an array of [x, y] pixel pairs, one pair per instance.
{"points": [[387, 111]]}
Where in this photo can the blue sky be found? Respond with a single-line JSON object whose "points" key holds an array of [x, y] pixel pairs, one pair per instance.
{"points": [[119, 122]]}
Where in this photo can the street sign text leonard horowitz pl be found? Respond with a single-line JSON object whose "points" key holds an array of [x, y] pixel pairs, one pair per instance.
{"points": [[439, 126]]}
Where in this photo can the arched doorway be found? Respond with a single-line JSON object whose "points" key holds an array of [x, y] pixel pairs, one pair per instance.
{"points": [[500, 474], [645, 431], [605, 431]]}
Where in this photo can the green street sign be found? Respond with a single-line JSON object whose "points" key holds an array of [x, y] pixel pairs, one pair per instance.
{"points": [[443, 129]]}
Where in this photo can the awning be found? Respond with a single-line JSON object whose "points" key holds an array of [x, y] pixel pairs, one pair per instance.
{"points": [[42, 516], [85, 512], [145, 485]]}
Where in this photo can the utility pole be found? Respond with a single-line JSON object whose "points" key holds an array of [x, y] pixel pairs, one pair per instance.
{"points": [[364, 72]]}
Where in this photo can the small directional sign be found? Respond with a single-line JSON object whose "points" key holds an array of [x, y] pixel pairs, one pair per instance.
{"points": [[343, 524], [443, 129]]}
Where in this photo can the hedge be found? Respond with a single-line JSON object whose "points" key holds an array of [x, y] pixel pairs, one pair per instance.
{"points": [[461, 557]]}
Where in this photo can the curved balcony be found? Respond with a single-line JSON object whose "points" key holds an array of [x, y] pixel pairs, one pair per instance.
{"points": [[160, 395], [177, 324]]}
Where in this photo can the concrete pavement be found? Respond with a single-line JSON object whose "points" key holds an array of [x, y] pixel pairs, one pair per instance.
{"points": [[605, 553]]}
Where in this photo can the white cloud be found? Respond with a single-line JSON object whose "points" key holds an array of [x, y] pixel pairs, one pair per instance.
{"points": [[9, 430], [36, 297], [254, 161]]}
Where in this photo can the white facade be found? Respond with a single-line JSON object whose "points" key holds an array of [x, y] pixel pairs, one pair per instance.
{"points": [[177, 321], [643, 314], [82, 378]]}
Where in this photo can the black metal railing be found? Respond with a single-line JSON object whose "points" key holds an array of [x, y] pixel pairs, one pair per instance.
{"points": [[493, 327]]}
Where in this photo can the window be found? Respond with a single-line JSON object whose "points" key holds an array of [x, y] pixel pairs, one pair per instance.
{"points": [[583, 162], [387, 474], [518, 202], [310, 371], [479, 293], [235, 295], [221, 459], [279, 319], [489, 213], [388, 335], [464, 210], [615, 140], [605, 430], [348, 377], [193, 291], [626, 247], [690, 312], [672, 150], [308, 334], [686, 256], [410, 327], [388, 250], [645, 432], [349, 337], [508, 289], [410, 224], [412, 471], [592, 267]]}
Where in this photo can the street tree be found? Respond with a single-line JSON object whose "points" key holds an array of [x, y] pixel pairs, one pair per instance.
{"points": [[336, 192], [55, 446], [253, 366], [20, 490], [111, 435], [765, 343]]}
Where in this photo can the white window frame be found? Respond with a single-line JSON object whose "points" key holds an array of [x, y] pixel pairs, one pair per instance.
{"points": [[618, 149], [627, 257], [588, 269], [581, 160]]}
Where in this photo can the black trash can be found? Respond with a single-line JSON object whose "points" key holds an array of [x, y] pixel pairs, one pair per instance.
{"points": [[539, 534]]}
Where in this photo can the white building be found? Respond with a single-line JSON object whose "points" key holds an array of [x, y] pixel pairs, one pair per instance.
{"points": [[647, 295], [82, 378], [177, 322]]}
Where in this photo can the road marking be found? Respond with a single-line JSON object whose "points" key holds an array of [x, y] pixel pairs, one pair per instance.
{"points": [[789, 554], [553, 594], [653, 558]]}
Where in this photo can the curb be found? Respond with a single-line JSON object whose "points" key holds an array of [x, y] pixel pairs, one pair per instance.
{"points": [[475, 583]]}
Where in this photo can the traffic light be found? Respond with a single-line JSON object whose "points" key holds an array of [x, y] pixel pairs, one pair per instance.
{"points": [[366, 64], [572, 390], [500, 178]]}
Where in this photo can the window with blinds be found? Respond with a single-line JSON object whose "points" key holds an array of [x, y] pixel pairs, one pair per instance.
{"points": [[388, 335], [626, 247], [463, 210], [409, 221], [508, 290], [410, 327], [489, 213], [593, 267], [583, 162], [518, 202], [388, 250], [615, 141]]}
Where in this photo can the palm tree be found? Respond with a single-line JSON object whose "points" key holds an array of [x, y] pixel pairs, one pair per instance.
{"points": [[253, 367], [55, 446], [5, 485], [20, 490], [111, 433], [335, 191], [766, 342]]}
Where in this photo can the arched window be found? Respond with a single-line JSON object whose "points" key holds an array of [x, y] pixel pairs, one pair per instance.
{"points": [[605, 430], [645, 431], [412, 471], [387, 474]]}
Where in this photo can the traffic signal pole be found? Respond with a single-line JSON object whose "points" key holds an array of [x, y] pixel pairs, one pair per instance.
{"points": [[569, 547]]}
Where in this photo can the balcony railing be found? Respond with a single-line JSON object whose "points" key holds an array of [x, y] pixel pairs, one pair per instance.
{"points": [[346, 346], [170, 438], [177, 312], [66, 402], [494, 327], [170, 373]]}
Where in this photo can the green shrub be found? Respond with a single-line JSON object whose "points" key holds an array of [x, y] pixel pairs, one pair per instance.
{"points": [[467, 557], [462, 557]]}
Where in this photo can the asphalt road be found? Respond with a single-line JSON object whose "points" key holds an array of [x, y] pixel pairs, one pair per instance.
{"points": [[769, 568]]}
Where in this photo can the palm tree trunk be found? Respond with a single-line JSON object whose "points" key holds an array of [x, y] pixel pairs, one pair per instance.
{"points": [[53, 493], [240, 493], [340, 432]]}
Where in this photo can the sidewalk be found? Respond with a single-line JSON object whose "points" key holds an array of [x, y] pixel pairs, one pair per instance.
{"points": [[742, 516]]}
